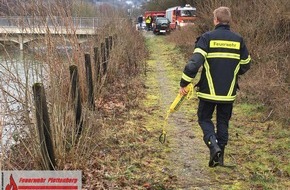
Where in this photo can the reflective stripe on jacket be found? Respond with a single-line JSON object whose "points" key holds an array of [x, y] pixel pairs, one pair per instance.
{"points": [[148, 20], [224, 56]]}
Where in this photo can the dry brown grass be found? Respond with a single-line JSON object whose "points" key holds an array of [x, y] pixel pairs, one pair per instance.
{"points": [[265, 27], [115, 95]]}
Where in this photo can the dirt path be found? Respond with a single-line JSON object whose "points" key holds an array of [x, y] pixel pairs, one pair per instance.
{"points": [[182, 161], [185, 152]]}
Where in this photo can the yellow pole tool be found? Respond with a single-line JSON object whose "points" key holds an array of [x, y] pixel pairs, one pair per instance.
{"points": [[175, 107]]}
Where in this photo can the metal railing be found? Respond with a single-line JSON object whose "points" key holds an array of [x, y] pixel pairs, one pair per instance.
{"points": [[76, 22]]}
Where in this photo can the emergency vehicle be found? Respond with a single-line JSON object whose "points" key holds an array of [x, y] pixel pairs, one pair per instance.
{"points": [[181, 16]]}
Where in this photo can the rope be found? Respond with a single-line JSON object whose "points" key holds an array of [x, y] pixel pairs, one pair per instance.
{"points": [[175, 107]]}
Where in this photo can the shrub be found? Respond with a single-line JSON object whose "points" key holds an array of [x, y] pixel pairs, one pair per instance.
{"points": [[116, 92]]}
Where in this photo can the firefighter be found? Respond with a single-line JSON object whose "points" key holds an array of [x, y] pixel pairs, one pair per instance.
{"points": [[140, 21], [151, 22], [148, 22], [224, 56]]}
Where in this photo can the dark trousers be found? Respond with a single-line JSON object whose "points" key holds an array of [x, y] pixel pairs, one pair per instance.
{"points": [[223, 115], [148, 26]]}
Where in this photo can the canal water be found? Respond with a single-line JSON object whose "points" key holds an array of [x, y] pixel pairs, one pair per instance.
{"points": [[18, 72]]}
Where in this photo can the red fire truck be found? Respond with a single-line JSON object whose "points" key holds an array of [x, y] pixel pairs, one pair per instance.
{"points": [[181, 16]]}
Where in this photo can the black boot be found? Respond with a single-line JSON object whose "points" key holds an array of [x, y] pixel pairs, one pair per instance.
{"points": [[215, 152], [221, 158]]}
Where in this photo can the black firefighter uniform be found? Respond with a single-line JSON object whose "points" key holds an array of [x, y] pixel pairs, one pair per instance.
{"points": [[224, 56]]}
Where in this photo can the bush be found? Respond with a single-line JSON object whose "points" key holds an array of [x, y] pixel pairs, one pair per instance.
{"points": [[115, 93]]}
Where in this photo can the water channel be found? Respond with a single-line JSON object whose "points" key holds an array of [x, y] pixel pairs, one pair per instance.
{"points": [[18, 72]]}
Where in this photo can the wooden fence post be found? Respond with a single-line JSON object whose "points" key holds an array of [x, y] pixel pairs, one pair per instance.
{"points": [[104, 58], [76, 98], [43, 125], [107, 48], [110, 42], [97, 64], [89, 77]]}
